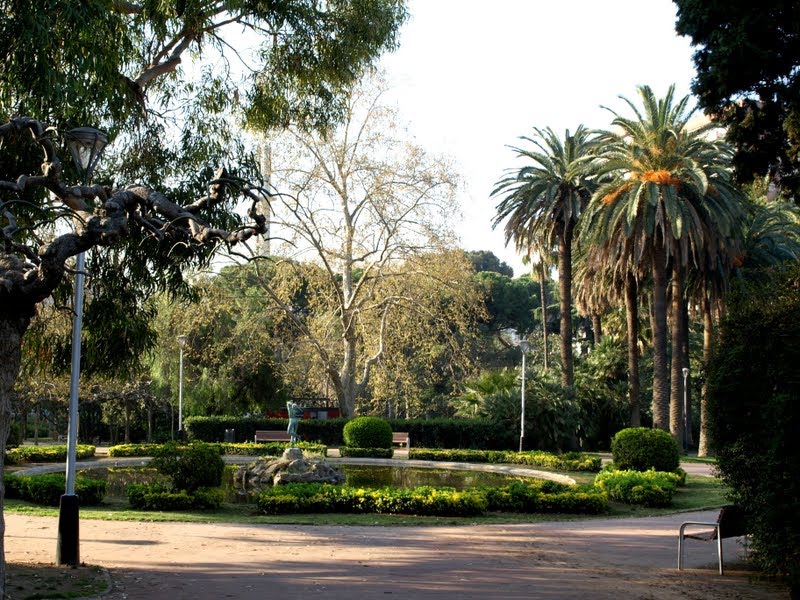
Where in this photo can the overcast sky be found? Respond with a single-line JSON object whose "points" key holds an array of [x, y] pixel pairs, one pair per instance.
{"points": [[471, 77]]}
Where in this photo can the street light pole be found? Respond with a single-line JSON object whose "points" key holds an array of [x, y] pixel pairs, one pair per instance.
{"points": [[523, 345], [86, 145], [181, 343], [685, 411]]}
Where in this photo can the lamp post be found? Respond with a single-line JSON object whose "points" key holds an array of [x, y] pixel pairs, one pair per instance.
{"points": [[86, 144], [181, 343], [685, 410], [523, 345]]}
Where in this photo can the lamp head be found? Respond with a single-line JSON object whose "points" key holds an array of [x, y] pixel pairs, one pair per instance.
{"points": [[685, 372], [524, 345], [86, 144], [182, 340]]}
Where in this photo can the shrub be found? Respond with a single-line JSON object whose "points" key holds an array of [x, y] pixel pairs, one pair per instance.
{"points": [[160, 497], [640, 449], [46, 453], [124, 450], [649, 488], [368, 432], [47, 489], [190, 467], [354, 452], [243, 449], [754, 415]]}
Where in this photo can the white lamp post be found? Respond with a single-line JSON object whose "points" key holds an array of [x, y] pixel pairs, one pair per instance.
{"points": [[685, 410], [523, 345], [86, 145], [181, 343]]}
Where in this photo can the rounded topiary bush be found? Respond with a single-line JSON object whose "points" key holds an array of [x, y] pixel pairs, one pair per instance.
{"points": [[640, 449], [367, 432]]}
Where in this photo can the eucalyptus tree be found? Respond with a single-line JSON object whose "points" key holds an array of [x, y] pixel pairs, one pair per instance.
{"points": [[666, 200], [542, 200]]}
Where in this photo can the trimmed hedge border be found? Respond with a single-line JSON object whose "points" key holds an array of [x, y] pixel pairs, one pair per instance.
{"points": [[544, 497], [160, 497], [245, 449], [22, 454], [648, 488], [354, 452], [571, 461], [47, 489]]}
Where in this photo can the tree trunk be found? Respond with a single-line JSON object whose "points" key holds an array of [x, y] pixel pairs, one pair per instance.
{"points": [[660, 373], [704, 446], [565, 291], [676, 413], [632, 317], [12, 329], [543, 298], [597, 328]]}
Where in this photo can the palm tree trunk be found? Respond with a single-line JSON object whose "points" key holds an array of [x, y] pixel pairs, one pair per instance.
{"points": [[543, 298], [660, 373], [704, 446], [565, 291], [676, 422], [597, 328], [632, 317]]}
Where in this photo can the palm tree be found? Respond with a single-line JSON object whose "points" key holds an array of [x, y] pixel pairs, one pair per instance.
{"points": [[666, 194], [542, 201]]}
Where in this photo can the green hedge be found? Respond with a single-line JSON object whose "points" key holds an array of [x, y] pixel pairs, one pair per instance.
{"points": [[160, 497], [47, 489], [545, 497], [428, 433], [570, 461], [367, 432], [649, 488], [37, 454], [244, 449], [354, 452]]}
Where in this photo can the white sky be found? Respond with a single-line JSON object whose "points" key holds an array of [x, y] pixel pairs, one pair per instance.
{"points": [[471, 77]]}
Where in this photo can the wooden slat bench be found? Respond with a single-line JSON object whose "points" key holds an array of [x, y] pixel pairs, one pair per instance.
{"points": [[402, 438], [272, 436], [731, 522]]}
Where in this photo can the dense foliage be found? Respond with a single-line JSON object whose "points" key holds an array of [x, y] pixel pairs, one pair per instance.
{"points": [[48, 488], [190, 467], [754, 399], [545, 497], [649, 488], [246, 449], [570, 461], [46, 453], [747, 61], [368, 432], [640, 449]]}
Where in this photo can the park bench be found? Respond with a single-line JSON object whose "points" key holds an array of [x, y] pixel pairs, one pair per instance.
{"points": [[731, 522], [272, 436], [402, 438]]}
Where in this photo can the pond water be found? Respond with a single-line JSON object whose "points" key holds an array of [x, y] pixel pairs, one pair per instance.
{"points": [[118, 478]]}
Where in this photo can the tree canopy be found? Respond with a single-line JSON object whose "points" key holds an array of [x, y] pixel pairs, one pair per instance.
{"points": [[747, 61]]}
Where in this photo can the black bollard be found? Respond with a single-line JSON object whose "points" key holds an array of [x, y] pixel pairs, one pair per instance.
{"points": [[68, 547]]}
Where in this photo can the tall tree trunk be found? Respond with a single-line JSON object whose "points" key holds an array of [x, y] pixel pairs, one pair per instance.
{"points": [[632, 318], [597, 328], [543, 298], [704, 446], [660, 373], [12, 329], [676, 413], [565, 291]]}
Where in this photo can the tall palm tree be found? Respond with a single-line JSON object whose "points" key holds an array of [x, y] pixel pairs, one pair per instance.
{"points": [[542, 200], [667, 195]]}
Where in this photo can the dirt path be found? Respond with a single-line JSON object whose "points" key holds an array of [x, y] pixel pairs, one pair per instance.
{"points": [[596, 559]]}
